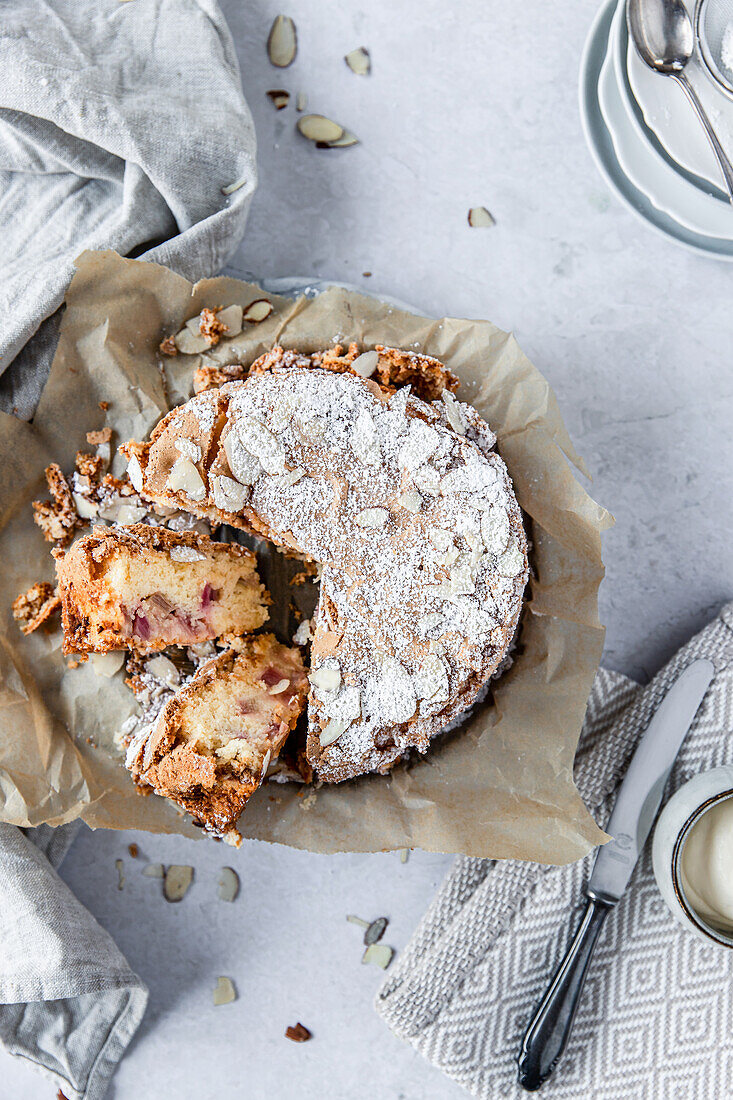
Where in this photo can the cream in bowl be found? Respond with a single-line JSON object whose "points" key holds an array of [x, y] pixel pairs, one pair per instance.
{"points": [[692, 855]]}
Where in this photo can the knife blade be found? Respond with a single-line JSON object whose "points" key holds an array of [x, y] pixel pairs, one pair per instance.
{"points": [[632, 817]]}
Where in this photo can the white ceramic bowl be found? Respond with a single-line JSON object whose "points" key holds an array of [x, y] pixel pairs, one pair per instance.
{"points": [[676, 820]]}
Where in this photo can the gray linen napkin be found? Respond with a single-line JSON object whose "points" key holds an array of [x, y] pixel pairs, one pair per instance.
{"points": [[120, 123], [655, 1016]]}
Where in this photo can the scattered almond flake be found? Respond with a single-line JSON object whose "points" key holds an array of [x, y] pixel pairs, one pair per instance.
{"points": [[371, 517], [378, 954], [185, 553], [282, 42], [154, 870], [163, 668], [188, 343], [320, 129], [359, 61], [232, 318], [346, 139], [107, 664], [178, 879], [224, 993], [279, 688], [375, 931], [291, 477], [495, 529], [411, 500], [440, 538], [429, 622], [298, 1034], [279, 98], [301, 101], [431, 679], [327, 677], [185, 478], [130, 513], [228, 884], [404, 854], [453, 412], [104, 452], [357, 920], [265, 765], [135, 474], [332, 730], [245, 466], [436, 647], [511, 562], [346, 706], [449, 557], [188, 448], [86, 508], [257, 438], [365, 364], [228, 494], [303, 634], [257, 311], [480, 218], [364, 441], [232, 187], [120, 873]]}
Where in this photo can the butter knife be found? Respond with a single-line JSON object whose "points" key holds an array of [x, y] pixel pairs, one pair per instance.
{"points": [[637, 803]]}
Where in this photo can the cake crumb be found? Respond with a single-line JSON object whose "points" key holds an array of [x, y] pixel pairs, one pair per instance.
{"points": [[211, 327], [133, 850], [33, 608], [298, 1034], [102, 436]]}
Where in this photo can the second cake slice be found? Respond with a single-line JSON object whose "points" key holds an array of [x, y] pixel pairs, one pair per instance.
{"points": [[145, 588]]}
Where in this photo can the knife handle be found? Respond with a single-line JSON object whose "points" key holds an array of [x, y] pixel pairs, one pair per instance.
{"points": [[548, 1033]]}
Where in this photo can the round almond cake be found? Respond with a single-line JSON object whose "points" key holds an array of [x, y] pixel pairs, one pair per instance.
{"points": [[411, 515]]}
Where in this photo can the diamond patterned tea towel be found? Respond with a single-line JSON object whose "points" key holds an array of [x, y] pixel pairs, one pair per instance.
{"points": [[655, 1020]]}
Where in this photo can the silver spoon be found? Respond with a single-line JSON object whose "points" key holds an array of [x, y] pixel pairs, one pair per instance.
{"points": [[662, 34]]}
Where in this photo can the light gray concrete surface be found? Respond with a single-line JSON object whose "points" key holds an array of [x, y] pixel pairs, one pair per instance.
{"points": [[470, 104]]}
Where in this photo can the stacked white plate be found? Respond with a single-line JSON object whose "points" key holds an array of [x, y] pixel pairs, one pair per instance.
{"points": [[648, 142]]}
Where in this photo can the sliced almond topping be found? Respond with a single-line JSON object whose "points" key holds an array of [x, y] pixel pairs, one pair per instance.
{"points": [[480, 218], [440, 538], [186, 553], [279, 688], [364, 440], [429, 622], [279, 98], [411, 501], [292, 477], [224, 992], [177, 881], [427, 480], [365, 364], [431, 679], [282, 42], [371, 517], [244, 465], [332, 730], [318, 128], [301, 101], [257, 311], [228, 884], [188, 448], [326, 678], [359, 61], [185, 478], [129, 513], [228, 494], [135, 474], [495, 529], [453, 413], [511, 562], [265, 764]]}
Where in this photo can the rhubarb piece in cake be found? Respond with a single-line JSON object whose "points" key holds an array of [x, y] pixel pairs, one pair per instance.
{"points": [[143, 587], [213, 741]]}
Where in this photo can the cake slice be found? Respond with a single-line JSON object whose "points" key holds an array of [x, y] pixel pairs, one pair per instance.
{"points": [[144, 588], [212, 743]]}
